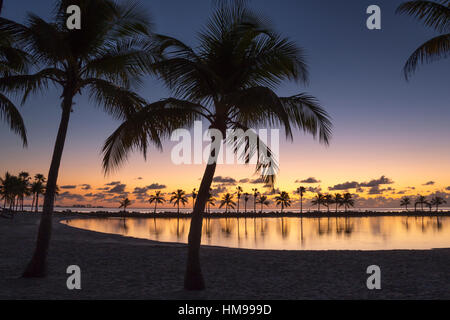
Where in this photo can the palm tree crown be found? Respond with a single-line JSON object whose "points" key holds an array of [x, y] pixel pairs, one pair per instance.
{"points": [[434, 14]]}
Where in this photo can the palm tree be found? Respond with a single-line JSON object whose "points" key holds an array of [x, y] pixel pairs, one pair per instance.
{"points": [[329, 200], [301, 191], [283, 200], [24, 187], [434, 14], [105, 58], [210, 202], [194, 196], [263, 201], [348, 201], [246, 198], [437, 201], [124, 204], [227, 201], [7, 189], [228, 80], [318, 200], [238, 195], [13, 61], [255, 197], [420, 200], [337, 200], [405, 202], [178, 197], [157, 198]]}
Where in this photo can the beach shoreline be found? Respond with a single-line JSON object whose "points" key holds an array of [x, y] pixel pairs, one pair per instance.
{"points": [[117, 267]]}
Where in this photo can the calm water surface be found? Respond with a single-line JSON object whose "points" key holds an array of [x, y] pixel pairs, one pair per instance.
{"points": [[371, 233]]}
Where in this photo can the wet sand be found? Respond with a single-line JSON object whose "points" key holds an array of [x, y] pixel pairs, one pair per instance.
{"points": [[116, 267]]}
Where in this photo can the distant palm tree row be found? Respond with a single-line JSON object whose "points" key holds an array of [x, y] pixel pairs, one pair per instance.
{"points": [[14, 189], [435, 201], [283, 200]]}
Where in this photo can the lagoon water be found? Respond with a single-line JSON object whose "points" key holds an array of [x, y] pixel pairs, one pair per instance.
{"points": [[354, 233]]}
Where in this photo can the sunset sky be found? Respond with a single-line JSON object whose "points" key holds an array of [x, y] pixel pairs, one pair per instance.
{"points": [[390, 136]]}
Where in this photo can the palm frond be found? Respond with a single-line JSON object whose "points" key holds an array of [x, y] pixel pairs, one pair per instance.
{"points": [[10, 114], [432, 50], [433, 14], [150, 125], [306, 114]]}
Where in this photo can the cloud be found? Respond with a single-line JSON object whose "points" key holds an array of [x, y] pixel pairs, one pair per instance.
{"points": [[314, 189], [345, 186], [114, 183], [118, 189], [257, 181], [68, 187], [103, 189], [156, 186], [140, 191], [139, 178], [429, 183], [448, 188], [246, 180], [375, 190], [86, 186], [70, 196], [377, 182], [309, 180], [218, 190], [224, 180]]}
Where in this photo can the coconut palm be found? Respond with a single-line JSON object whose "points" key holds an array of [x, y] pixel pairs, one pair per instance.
{"points": [[24, 187], [301, 191], [434, 14], [238, 195], [157, 198], [263, 201], [437, 201], [105, 58], [420, 200], [7, 189], [227, 201], [348, 201], [283, 200], [337, 200], [318, 200], [179, 197], [13, 61], [405, 202], [124, 204], [228, 80]]}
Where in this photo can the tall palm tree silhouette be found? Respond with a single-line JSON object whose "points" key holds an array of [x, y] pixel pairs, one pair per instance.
{"points": [[434, 14], [179, 197], [283, 200], [301, 191], [227, 201], [405, 202], [157, 198], [229, 81], [211, 201], [105, 58], [24, 188], [329, 200], [37, 188]]}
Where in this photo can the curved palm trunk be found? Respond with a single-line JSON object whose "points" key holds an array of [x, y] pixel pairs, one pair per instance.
{"points": [[38, 264], [155, 208], [301, 204], [193, 279], [37, 202]]}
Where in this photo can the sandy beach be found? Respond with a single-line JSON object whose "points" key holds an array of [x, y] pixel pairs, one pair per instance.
{"points": [[115, 267]]}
